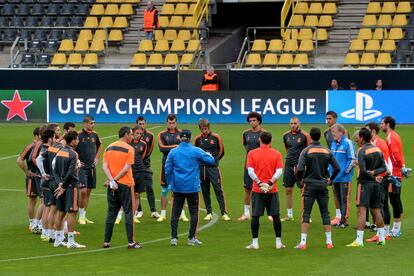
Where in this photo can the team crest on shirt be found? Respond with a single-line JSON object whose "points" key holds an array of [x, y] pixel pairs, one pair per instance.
{"points": [[147, 139], [212, 142], [141, 148], [167, 138], [93, 140], [299, 140]]}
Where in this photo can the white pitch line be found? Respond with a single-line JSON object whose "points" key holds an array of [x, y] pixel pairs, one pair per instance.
{"points": [[103, 138]]}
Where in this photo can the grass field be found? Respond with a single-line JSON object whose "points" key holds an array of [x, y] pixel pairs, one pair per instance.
{"points": [[223, 250]]}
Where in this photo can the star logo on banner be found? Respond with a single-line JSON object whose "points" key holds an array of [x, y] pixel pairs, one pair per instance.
{"points": [[16, 107]]}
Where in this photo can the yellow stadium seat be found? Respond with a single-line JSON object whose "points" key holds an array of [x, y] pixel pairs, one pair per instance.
{"points": [[162, 46], [170, 35], [171, 60], [369, 20], [351, 59], [365, 34], [399, 20], [167, 9], [145, 46], [301, 59], [139, 60], [181, 9], [329, 8], [374, 8], [325, 21], [315, 8], [115, 36], [259, 45], [285, 59], [291, 34], [388, 45], [91, 59], [403, 7], [97, 45], [187, 59], [101, 1], [164, 21], [321, 35], [253, 60], [112, 9], [81, 46], [311, 21], [296, 21], [379, 33], [59, 59], [99, 35], [178, 46], [176, 21], [291, 45], [184, 35], [75, 59], [357, 45], [270, 60], [305, 34], [384, 19], [66, 45], [106, 22], [388, 7], [97, 10], [120, 22], [306, 46], [155, 60], [116, 1], [373, 45], [301, 8], [275, 45], [158, 34], [193, 46], [189, 22], [384, 59], [91, 22], [367, 59], [85, 35], [126, 9], [395, 33], [132, 1]]}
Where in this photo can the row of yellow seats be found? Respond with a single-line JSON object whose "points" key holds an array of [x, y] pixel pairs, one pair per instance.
{"points": [[74, 59], [320, 34], [385, 20], [373, 45], [67, 45], [172, 34], [389, 7], [179, 9], [367, 59], [324, 21], [315, 8], [140, 60], [164, 46], [181, 1], [272, 60], [112, 9], [90, 35], [381, 33], [176, 21], [277, 45], [106, 22], [133, 2]]}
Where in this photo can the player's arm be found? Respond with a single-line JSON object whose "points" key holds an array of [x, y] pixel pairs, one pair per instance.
{"points": [[168, 168], [35, 153], [144, 152], [39, 161], [244, 142], [164, 148], [221, 147], [351, 156], [362, 166], [205, 157], [20, 161], [98, 148], [128, 164], [308, 138], [150, 144], [334, 165], [395, 155], [70, 172]]}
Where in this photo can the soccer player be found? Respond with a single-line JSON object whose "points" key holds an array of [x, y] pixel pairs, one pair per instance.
{"points": [[313, 171], [32, 189], [67, 192], [167, 140], [250, 142], [398, 167], [295, 140], [371, 165], [265, 166], [212, 143], [117, 161], [182, 171], [343, 150], [89, 149], [385, 211]]}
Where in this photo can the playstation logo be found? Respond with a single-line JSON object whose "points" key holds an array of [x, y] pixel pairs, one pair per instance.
{"points": [[363, 109]]}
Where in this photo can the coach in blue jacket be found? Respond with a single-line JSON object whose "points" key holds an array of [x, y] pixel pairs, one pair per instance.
{"points": [[182, 170]]}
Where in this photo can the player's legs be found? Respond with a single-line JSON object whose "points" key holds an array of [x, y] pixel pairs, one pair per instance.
{"points": [[83, 183], [323, 202], [215, 177], [258, 207], [127, 199], [345, 192], [289, 181], [71, 208], [273, 210], [308, 199], [91, 184], [397, 208], [114, 204], [193, 201], [150, 192], [177, 205], [205, 189], [164, 195], [247, 184]]}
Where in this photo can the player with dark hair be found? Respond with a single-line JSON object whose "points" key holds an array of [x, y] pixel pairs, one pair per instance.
{"points": [[69, 126], [250, 140], [89, 149], [265, 167], [371, 165], [313, 171]]}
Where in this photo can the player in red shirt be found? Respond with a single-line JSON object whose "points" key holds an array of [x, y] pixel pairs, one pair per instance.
{"points": [[265, 166]]}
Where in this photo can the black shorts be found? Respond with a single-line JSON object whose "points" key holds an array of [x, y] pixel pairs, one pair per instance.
{"points": [[69, 200], [52, 187], [289, 177], [47, 196], [163, 180], [369, 195], [139, 179], [87, 178], [269, 201], [148, 177], [33, 187], [247, 182]]}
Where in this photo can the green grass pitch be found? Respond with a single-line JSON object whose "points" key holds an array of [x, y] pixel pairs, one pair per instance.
{"points": [[223, 251]]}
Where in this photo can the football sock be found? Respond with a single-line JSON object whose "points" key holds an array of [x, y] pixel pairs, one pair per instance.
{"points": [[120, 214], [82, 213], [164, 213], [328, 237], [247, 210], [397, 226], [387, 229], [381, 234], [65, 226], [255, 242], [182, 213], [278, 242], [71, 237], [360, 237], [338, 213], [303, 238], [290, 213]]}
